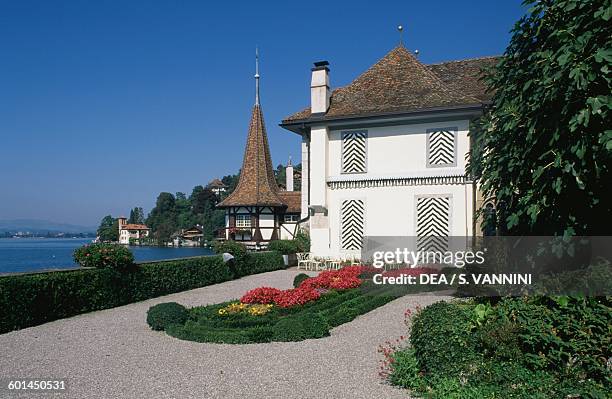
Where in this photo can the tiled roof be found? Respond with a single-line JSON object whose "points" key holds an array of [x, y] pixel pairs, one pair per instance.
{"points": [[465, 75], [131, 226], [216, 183], [400, 83], [293, 200], [256, 184]]}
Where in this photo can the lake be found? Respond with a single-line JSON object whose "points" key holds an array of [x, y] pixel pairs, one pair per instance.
{"points": [[31, 254]]}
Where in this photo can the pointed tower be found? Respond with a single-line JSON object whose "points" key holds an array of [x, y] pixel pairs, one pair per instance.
{"points": [[253, 208]]}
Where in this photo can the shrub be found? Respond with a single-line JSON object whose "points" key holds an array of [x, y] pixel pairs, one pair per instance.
{"points": [[302, 240], [259, 262], [32, 299], [533, 347], [285, 247], [299, 278], [442, 339], [501, 339], [104, 255], [405, 370], [160, 316], [565, 334], [304, 326], [235, 248]]}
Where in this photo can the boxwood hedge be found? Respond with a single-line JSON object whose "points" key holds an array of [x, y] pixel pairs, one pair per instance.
{"points": [[32, 299]]}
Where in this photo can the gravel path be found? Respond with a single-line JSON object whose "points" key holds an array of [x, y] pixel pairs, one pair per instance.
{"points": [[113, 354]]}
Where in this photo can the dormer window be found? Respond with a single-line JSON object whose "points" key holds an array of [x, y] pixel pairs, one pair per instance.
{"points": [[354, 151]]}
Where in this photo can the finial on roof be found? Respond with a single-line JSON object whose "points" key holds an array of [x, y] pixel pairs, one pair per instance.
{"points": [[256, 76], [289, 163], [400, 29]]}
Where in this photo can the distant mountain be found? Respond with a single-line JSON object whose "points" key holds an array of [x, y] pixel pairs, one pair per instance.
{"points": [[42, 226]]}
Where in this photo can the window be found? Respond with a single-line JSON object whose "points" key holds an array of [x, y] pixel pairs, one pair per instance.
{"points": [[243, 220], [354, 151], [291, 218], [433, 222], [352, 224], [441, 147]]}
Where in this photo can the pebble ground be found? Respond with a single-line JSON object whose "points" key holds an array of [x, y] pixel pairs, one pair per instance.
{"points": [[113, 354]]}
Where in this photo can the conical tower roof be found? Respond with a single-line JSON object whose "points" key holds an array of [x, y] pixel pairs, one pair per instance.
{"points": [[256, 184]]}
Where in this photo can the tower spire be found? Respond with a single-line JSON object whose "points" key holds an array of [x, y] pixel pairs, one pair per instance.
{"points": [[400, 29], [256, 76]]}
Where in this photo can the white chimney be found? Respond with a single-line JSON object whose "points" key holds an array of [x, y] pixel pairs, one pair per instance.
{"points": [[319, 88], [289, 175]]}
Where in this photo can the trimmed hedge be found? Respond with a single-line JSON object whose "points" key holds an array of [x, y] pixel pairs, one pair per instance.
{"points": [[285, 247], [163, 315], [299, 278], [33, 299], [258, 262], [312, 320]]}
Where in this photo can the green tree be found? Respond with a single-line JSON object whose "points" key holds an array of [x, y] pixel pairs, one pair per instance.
{"points": [[136, 216], [185, 216], [108, 229], [163, 218], [201, 198], [231, 181], [546, 144]]}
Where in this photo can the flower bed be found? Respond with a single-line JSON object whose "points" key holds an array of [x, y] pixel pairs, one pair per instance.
{"points": [[310, 310]]}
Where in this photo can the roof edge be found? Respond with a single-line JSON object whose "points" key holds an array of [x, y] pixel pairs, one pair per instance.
{"points": [[423, 111]]}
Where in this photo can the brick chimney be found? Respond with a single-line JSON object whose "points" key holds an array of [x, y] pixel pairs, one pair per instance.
{"points": [[320, 92]]}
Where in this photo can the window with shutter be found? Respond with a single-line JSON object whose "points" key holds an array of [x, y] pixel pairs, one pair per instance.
{"points": [[352, 224], [354, 151], [433, 222], [441, 147]]}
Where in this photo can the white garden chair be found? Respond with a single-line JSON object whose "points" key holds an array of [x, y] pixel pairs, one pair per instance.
{"points": [[306, 261], [351, 260], [303, 260], [332, 264]]}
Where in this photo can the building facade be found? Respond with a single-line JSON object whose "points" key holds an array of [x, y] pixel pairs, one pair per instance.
{"points": [[131, 233], [386, 155]]}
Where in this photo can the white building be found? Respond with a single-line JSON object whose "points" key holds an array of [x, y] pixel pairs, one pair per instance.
{"points": [[131, 231], [385, 156], [217, 187]]}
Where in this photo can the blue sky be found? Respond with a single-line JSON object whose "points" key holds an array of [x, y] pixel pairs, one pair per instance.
{"points": [[103, 104]]}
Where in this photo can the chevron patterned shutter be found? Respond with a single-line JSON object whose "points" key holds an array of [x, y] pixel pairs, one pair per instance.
{"points": [[433, 223], [354, 152], [441, 148], [352, 224]]}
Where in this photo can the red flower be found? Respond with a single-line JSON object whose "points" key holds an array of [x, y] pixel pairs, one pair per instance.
{"points": [[342, 279], [296, 296], [263, 295]]}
